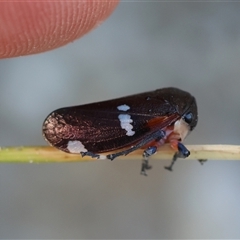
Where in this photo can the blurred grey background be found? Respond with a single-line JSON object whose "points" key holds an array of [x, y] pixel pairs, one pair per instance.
{"points": [[142, 46]]}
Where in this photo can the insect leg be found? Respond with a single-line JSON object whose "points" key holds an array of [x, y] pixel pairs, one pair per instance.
{"points": [[145, 163], [93, 155], [183, 152], [159, 134], [202, 161]]}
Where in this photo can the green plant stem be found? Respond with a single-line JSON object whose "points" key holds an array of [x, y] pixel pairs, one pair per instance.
{"points": [[42, 154]]}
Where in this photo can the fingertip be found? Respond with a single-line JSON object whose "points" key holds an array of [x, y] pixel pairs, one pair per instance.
{"points": [[34, 27]]}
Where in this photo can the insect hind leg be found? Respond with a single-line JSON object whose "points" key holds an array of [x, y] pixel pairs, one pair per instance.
{"points": [[93, 155], [159, 134]]}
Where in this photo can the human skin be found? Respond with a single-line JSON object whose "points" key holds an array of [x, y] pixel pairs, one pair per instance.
{"points": [[31, 27]]}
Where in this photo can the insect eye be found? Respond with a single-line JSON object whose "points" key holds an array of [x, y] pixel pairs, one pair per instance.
{"points": [[188, 117]]}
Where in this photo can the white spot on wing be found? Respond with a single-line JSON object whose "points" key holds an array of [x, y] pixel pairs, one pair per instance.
{"points": [[125, 121], [76, 147], [123, 107]]}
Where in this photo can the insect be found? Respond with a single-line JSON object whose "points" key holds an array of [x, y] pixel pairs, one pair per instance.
{"points": [[146, 120]]}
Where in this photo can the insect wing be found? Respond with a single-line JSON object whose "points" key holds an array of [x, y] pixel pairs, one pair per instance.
{"points": [[109, 125]]}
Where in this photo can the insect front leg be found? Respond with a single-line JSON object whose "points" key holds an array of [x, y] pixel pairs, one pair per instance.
{"points": [[202, 161], [183, 152]]}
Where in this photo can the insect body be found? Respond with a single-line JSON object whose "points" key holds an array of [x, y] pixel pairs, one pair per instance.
{"points": [[146, 120]]}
